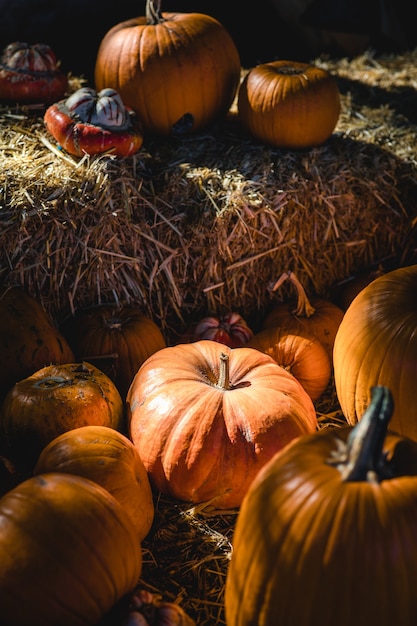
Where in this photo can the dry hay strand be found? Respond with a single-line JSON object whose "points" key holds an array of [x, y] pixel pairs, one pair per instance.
{"points": [[205, 223]]}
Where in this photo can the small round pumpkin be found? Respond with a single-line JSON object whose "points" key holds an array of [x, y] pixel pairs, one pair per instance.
{"points": [[177, 71], [29, 338], [118, 339], [205, 418], [327, 533], [51, 401], [289, 104], [230, 328], [68, 552], [110, 459], [376, 344]]}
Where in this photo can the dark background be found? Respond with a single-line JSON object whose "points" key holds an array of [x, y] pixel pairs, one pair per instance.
{"points": [[263, 30]]}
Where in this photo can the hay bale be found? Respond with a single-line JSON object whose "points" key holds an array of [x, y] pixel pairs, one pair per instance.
{"points": [[205, 224]]}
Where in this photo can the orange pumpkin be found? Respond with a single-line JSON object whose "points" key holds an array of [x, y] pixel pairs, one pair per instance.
{"points": [[68, 552], [118, 339], [301, 353], [110, 459], [289, 104], [177, 71], [327, 533], [318, 316], [51, 401], [205, 418], [376, 344], [29, 339]]}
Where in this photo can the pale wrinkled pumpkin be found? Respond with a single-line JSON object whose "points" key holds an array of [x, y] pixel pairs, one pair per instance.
{"points": [[205, 418], [51, 401], [177, 71], [110, 459], [327, 533], [376, 344], [68, 552]]}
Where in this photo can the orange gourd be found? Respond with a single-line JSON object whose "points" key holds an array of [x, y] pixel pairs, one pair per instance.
{"points": [[205, 418], [68, 552], [177, 71], [110, 459], [289, 104], [327, 533]]}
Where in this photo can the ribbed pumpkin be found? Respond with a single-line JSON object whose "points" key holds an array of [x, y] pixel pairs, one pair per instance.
{"points": [[376, 344], [177, 71], [117, 339], [29, 339], [205, 418], [289, 104], [301, 353], [68, 552], [316, 315], [51, 401], [327, 533], [228, 328], [110, 459]]}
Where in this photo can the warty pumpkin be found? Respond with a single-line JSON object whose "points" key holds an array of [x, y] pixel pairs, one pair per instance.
{"points": [[289, 104], [110, 459], [117, 339], [177, 71], [29, 338], [68, 552], [327, 533], [51, 401], [316, 315], [376, 344], [205, 418]]}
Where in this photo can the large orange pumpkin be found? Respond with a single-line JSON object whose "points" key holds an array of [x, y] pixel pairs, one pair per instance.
{"points": [[177, 71], [376, 344], [68, 552], [289, 104], [29, 339], [205, 418], [117, 339], [327, 533], [110, 459], [51, 401]]}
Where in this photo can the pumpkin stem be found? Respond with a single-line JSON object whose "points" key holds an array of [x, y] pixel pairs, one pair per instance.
{"points": [[304, 308], [224, 380], [361, 457], [153, 12]]}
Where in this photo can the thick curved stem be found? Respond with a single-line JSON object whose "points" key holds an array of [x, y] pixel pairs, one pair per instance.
{"points": [[304, 307], [153, 11]]}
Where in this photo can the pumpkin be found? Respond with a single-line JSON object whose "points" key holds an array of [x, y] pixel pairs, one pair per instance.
{"points": [[327, 533], [68, 552], [142, 608], [376, 344], [110, 459], [178, 71], [229, 328], [118, 339], [289, 104], [317, 315], [91, 123], [51, 401], [205, 418], [29, 339], [31, 74], [301, 353]]}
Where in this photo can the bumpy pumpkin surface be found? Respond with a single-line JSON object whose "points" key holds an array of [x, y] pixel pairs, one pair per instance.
{"points": [[205, 418], [68, 552], [376, 344], [53, 400], [327, 533], [110, 459], [289, 104], [29, 339], [177, 71]]}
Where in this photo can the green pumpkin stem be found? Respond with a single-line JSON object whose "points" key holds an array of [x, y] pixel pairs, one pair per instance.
{"points": [[361, 457]]}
